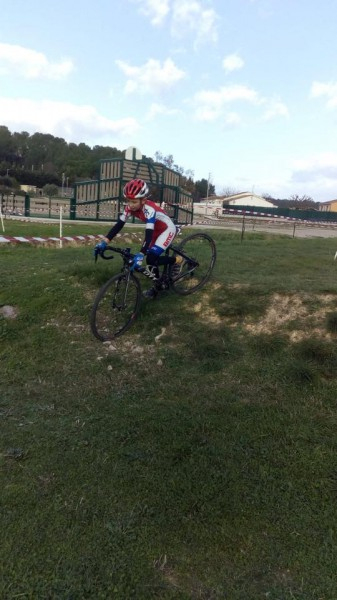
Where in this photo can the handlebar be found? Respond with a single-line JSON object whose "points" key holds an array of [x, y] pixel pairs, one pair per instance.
{"points": [[125, 252]]}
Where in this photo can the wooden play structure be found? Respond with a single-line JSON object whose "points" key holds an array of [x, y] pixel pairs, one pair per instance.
{"points": [[102, 199]]}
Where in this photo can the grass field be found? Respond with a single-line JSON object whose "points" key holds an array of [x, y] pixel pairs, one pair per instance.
{"points": [[52, 228], [193, 458]]}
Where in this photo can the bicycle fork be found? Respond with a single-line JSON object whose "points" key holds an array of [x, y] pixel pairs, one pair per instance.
{"points": [[121, 291]]}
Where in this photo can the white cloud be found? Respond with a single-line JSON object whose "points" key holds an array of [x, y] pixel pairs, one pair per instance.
{"points": [[210, 103], [190, 16], [27, 63], [276, 108], [160, 109], [150, 77], [232, 62], [73, 122], [156, 10], [185, 17], [316, 176], [327, 90], [318, 167], [232, 119]]}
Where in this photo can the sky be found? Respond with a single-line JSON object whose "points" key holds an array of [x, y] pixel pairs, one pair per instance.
{"points": [[240, 92]]}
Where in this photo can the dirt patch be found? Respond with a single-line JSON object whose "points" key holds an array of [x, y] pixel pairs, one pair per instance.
{"points": [[130, 349], [298, 316], [203, 308], [238, 286], [285, 309]]}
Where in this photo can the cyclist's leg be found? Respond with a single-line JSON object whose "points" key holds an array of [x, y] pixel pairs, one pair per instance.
{"points": [[162, 243], [157, 257], [152, 261], [159, 244]]}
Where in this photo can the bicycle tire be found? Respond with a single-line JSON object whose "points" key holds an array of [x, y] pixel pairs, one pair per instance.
{"points": [[200, 247], [115, 307]]}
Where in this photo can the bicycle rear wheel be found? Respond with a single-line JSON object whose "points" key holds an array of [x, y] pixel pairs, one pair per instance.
{"points": [[116, 307], [200, 252]]}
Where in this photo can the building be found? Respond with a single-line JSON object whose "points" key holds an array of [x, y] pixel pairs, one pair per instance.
{"points": [[247, 199], [208, 206], [214, 204], [28, 188], [330, 206]]}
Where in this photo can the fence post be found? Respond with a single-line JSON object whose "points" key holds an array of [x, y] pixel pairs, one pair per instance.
{"points": [[176, 206], [243, 227], [72, 210], [27, 205], [1, 218]]}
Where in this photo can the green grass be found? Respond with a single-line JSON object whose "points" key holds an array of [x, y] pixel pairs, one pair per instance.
{"points": [[199, 465], [31, 228], [52, 228]]}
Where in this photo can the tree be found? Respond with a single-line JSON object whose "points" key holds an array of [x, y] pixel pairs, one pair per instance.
{"points": [[203, 188], [6, 144], [168, 160], [228, 191], [302, 202], [187, 183], [6, 181], [294, 202], [50, 189], [40, 159]]}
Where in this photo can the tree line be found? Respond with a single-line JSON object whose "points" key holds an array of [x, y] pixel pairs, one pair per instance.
{"points": [[42, 159]]}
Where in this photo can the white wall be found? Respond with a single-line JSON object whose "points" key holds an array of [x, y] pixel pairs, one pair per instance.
{"points": [[249, 200]]}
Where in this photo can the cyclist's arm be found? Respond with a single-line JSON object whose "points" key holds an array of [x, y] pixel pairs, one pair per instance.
{"points": [[150, 214], [147, 239], [116, 227]]}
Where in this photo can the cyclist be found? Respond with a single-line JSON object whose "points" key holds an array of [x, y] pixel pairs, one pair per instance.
{"points": [[159, 231]]}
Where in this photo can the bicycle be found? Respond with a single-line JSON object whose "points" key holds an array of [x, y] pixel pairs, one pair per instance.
{"points": [[118, 301]]}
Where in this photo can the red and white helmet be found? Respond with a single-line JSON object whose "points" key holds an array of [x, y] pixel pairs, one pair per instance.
{"points": [[136, 188]]}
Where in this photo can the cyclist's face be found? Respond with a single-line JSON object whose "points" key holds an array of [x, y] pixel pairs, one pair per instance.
{"points": [[135, 203]]}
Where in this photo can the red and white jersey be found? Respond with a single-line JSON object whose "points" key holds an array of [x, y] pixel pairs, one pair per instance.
{"points": [[151, 214]]}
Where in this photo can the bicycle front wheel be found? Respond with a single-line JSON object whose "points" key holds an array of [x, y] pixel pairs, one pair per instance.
{"points": [[116, 307], [199, 253]]}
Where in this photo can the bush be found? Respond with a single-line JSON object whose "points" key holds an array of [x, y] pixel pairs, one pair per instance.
{"points": [[50, 189]]}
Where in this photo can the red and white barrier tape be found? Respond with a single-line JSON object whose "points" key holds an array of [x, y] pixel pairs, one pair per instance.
{"points": [[8, 239], [282, 217]]}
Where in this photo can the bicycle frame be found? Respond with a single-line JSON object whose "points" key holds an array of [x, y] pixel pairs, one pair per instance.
{"points": [[146, 271]]}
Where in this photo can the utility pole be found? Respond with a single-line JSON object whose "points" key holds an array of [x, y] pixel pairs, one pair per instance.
{"points": [[207, 193], [63, 180]]}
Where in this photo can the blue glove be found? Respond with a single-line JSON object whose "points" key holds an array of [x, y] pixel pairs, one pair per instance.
{"points": [[137, 261], [99, 248]]}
